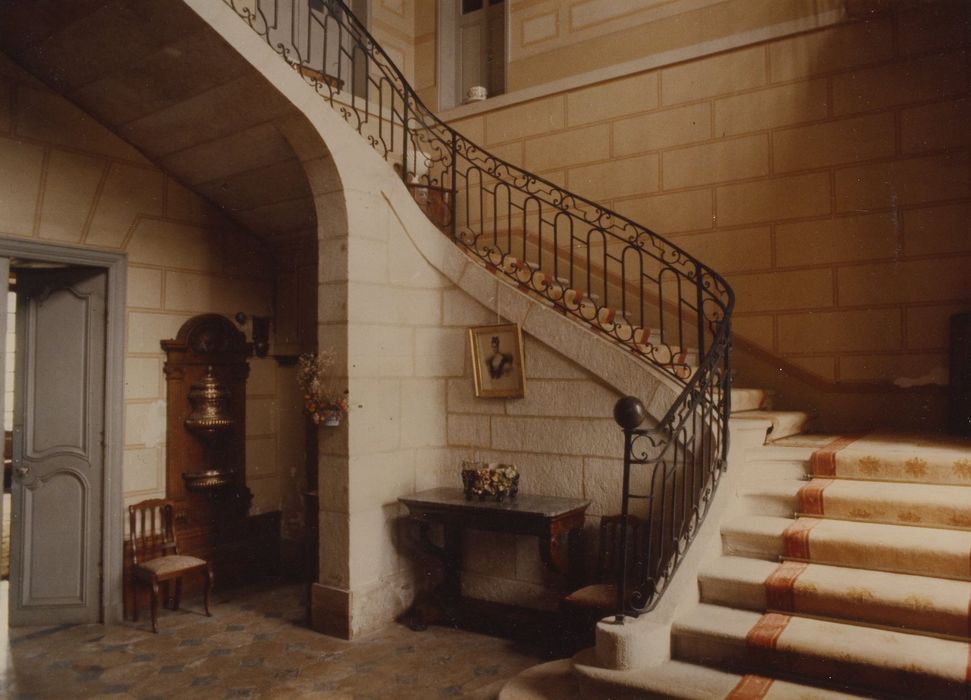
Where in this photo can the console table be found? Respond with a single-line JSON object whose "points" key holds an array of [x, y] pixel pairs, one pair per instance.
{"points": [[556, 522]]}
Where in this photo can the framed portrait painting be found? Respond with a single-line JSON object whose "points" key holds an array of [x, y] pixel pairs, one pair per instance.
{"points": [[497, 361]]}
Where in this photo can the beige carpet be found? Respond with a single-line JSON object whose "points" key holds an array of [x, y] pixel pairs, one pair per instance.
{"points": [[865, 585]]}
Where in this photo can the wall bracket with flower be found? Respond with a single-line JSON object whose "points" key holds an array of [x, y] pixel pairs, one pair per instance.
{"points": [[323, 400]]}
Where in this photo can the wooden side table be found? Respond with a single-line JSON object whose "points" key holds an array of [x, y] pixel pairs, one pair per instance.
{"points": [[556, 522]]}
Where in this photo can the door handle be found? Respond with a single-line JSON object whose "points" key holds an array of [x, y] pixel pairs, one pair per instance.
{"points": [[22, 471]]}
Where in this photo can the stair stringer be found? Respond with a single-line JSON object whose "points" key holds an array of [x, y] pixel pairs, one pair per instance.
{"points": [[610, 362], [355, 190], [645, 641]]}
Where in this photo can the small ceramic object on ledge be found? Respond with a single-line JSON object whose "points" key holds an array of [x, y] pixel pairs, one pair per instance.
{"points": [[476, 93], [332, 418], [492, 481]]}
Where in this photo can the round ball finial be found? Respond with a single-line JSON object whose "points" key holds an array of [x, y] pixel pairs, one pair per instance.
{"points": [[629, 412]]}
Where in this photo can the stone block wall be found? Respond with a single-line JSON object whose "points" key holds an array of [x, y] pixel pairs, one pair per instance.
{"points": [[401, 326], [67, 180], [561, 437], [825, 173], [558, 40]]}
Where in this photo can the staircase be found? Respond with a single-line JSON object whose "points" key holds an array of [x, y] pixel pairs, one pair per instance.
{"points": [[845, 561], [646, 297], [844, 571]]}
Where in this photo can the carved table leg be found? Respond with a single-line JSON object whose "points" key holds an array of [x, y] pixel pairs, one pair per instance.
{"points": [[438, 606], [574, 574], [568, 562]]}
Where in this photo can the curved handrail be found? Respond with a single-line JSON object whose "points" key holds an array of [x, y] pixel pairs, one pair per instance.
{"points": [[620, 278]]}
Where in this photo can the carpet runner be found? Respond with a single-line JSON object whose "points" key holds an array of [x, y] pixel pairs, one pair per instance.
{"points": [[865, 586], [846, 573]]}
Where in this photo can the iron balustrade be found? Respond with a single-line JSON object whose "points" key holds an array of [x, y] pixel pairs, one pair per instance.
{"points": [[609, 273]]}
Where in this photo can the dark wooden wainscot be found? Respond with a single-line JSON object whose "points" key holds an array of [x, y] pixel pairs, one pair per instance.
{"points": [[555, 522]]}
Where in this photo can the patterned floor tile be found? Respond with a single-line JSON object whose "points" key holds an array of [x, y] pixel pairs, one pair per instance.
{"points": [[250, 648]]}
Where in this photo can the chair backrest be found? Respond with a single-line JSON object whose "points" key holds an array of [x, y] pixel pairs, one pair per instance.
{"points": [[609, 559], [151, 532]]}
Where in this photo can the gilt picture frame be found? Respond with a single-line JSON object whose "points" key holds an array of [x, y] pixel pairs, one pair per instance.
{"points": [[498, 363]]}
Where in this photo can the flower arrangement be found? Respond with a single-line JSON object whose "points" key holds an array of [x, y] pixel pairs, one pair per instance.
{"points": [[322, 400], [483, 480]]}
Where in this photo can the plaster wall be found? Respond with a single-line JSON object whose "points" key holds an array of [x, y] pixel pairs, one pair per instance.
{"points": [[826, 175], [67, 180]]}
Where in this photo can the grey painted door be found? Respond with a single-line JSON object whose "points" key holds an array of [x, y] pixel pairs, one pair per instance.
{"points": [[58, 450]]}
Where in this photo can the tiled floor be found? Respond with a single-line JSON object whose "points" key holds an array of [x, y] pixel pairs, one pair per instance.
{"points": [[256, 645]]}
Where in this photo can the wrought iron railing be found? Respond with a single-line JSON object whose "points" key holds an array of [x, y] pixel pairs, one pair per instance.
{"points": [[614, 276]]}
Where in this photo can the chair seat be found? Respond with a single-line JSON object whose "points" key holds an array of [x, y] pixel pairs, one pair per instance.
{"points": [[170, 564], [599, 596]]}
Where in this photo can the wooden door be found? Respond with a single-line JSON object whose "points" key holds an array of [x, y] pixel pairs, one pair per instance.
{"points": [[58, 450]]}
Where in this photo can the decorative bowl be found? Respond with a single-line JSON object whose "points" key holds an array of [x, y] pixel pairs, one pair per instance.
{"points": [[489, 481]]}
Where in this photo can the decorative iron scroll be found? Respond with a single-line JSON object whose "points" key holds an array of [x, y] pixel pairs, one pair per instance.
{"points": [[612, 275]]}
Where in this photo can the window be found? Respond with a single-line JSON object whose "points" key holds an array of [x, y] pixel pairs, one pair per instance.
{"points": [[472, 49]]}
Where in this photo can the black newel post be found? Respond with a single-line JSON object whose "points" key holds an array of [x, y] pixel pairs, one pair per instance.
{"points": [[629, 413]]}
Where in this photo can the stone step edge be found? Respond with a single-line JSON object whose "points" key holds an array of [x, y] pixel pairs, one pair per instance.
{"points": [[681, 680], [802, 455], [750, 641], [806, 498], [747, 529], [780, 600], [553, 680]]}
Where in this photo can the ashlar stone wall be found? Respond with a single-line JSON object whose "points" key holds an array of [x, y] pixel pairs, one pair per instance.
{"points": [[67, 180], [825, 173], [561, 437]]}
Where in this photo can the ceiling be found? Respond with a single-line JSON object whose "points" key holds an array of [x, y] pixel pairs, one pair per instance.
{"points": [[155, 74]]}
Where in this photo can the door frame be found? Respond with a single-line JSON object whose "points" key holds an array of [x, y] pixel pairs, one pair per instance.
{"points": [[115, 265]]}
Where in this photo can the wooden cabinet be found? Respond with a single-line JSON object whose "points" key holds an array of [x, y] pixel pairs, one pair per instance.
{"points": [[214, 524]]}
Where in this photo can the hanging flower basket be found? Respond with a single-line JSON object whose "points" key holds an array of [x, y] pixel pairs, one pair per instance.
{"points": [[322, 400]]}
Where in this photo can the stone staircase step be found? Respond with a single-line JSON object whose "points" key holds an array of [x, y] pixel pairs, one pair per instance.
{"points": [[920, 604], [781, 450], [927, 505], [750, 400], [550, 681], [767, 469], [936, 459], [852, 656], [784, 423], [688, 681], [921, 551], [777, 497], [756, 536]]}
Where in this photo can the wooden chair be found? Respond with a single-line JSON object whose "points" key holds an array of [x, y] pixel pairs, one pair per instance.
{"points": [[586, 606], [155, 556]]}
